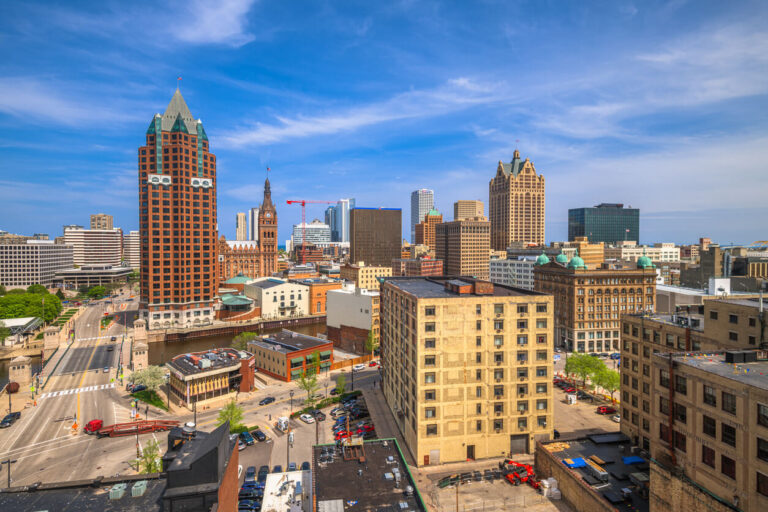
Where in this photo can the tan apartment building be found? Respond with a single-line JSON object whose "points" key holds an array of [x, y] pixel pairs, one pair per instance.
{"points": [[590, 303], [464, 247], [102, 221], [466, 367], [516, 204], [666, 252], [466, 209], [710, 431], [593, 254], [364, 276], [425, 230]]}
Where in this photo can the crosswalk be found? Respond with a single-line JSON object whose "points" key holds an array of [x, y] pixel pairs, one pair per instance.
{"points": [[84, 389]]}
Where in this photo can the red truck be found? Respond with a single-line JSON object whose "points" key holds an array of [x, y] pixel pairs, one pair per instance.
{"points": [[128, 429], [517, 473]]}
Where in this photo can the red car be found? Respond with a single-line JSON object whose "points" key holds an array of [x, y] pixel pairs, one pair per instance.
{"points": [[569, 390], [342, 434], [604, 409], [373, 363], [365, 428]]}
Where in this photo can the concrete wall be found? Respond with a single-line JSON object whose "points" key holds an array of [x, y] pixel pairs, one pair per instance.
{"points": [[350, 309], [580, 496], [670, 492]]}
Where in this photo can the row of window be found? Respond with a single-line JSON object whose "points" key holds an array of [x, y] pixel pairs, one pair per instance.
{"points": [[497, 425], [522, 373]]}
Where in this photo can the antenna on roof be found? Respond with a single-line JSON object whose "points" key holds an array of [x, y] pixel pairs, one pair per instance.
{"points": [[178, 83]]}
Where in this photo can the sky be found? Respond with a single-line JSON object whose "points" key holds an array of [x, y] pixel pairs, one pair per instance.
{"points": [[657, 105]]}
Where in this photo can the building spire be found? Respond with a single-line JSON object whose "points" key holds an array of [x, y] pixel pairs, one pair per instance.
{"points": [[267, 193]]}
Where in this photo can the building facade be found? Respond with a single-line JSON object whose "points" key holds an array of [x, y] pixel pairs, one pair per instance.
{"points": [[95, 246], [422, 201], [468, 209], [513, 272], [590, 303], [204, 376], [607, 222], [353, 313], [316, 232], [516, 204], [32, 262], [253, 224], [630, 251], [132, 250], [466, 367], [425, 230], [288, 355], [375, 235], [177, 218], [337, 217], [278, 298], [102, 221], [318, 288], [464, 247], [364, 276], [417, 267], [241, 227], [593, 254]]}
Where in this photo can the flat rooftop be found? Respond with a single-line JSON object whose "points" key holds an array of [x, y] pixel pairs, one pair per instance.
{"points": [[434, 288], [269, 282], [372, 484], [752, 374], [289, 341], [282, 490], [219, 358], [752, 303], [608, 449], [694, 320]]}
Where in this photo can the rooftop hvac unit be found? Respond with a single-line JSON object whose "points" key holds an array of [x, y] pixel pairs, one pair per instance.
{"points": [[117, 491], [205, 363], [139, 488]]}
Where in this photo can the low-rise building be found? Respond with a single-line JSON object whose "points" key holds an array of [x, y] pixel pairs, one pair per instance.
{"points": [[32, 262], [290, 491], [287, 355], [364, 276], [417, 267], [277, 298], [630, 251], [102, 247], [513, 272], [593, 254], [91, 275], [318, 290], [353, 313], [216, 374]]}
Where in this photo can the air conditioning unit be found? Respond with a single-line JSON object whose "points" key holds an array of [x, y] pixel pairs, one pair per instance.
{"points": [[499, 413], [498, 380]]}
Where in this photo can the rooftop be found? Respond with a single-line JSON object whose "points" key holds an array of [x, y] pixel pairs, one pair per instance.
{"points": [[434, 287], [608, 448], [236, 300], [753, 374], [289, 341], [752, 303], [238, 279], [378, 483], [200, 362], [281, 490], [269, 282]]}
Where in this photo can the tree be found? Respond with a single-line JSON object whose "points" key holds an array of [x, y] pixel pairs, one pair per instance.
{"points": [[583, 365], [133, 276], [232, 413], [371, 344], [149, 462], [151, 376], [19, 303], [308, 383], [240, 342], [36, 288], [2, 290], [97, 292], [4, 331], [60, 294], [341, 384], [608, 380]]}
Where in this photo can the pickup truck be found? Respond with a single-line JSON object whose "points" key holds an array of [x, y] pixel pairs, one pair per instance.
{"points": [[9, 419]]}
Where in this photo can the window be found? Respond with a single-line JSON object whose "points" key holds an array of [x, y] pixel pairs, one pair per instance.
{"points": [[429, 378], [522, 309], [664, 378], [762, 484], [429, 394], [762, 449], [541, 323], [646, 425], [541, 372], [710, 397], [663, 405], [762, 415], [498, 324], [429, 311], [752, 321], [498, 408], [498, 309], [479, 341], [429, 327], [680, 441], [681, 385], [541, 405], [733, 336], [478, 357], [663, 432], [541, 421], [430, 412], [733, 319], [429, 343], [498, 341], [429, 360], [498, 357], [522, 423], [713, 315], [522, 324], [479, 325], [681, 414], [728, 434], [479, 394], [498, 424], [522, 357], [729, 403], [728, 466], [432, 430], [708, 456], [478, 426], [498, 391], [479, 309], [498, 374], [709, 426], [541, 308], [541, 388], [522, 406]]}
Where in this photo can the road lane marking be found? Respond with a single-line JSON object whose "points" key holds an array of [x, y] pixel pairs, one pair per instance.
{"points": [[85, 389]]}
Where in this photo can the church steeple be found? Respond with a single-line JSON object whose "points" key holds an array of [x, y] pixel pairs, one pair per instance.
{"points": [[267, 203]]}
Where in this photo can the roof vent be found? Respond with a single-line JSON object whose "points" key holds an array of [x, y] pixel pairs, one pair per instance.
{"points": [[189, 430], [117, 491], [139, 488]]}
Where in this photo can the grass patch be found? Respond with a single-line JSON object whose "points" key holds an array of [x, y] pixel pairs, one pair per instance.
{"points": [[151, 398], [106, 321], [325, 402], [40, 336], [243, 428]]}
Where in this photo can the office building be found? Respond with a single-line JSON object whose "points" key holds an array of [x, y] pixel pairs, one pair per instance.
{"points": [[516, 204], [288, 355], [101, 221], [241, 227], [417, 267], [91, 275], [593, 254], [422, 201], [278, 298], [375, 235], [517, 272], [95, 246], [253, 224], [466, 367], [590, 302], [318, 288], [33, 262], [337, 217], [364, 276], [353, 313], [607, 222], [464, 247], [465, 209], [630, 251], [178, 219], [315, 231], [425, 230], [218, 374], [132, 250]]}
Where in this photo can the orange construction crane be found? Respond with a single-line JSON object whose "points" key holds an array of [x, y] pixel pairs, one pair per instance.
{"points": [[303, 203]]}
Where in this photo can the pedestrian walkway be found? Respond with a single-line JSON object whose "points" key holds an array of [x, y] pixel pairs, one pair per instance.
{"points": [[84, 389], [96, 338]]}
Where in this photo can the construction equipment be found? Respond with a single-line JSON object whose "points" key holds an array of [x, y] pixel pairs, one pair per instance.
{"points": [[517, 473], [303, 203], [136, 427]]}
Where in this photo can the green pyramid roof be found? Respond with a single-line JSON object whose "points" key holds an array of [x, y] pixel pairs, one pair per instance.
{"points": [[179, 125]]}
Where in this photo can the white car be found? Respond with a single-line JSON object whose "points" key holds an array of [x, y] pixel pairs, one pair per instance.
{"points": [[358, 367], [616, 418], [306, 418]]}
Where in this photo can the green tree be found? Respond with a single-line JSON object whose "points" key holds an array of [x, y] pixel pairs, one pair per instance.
{"points": [[308, 382], [2, 290], [583, 365], [151, 376], [36, 288], [232, 413], [97, 292], [341, 384], [371, 343], [607, 379], [133, 276], [240, 342], [150, 462], [60, 294], [4, 331], [17, 304]]}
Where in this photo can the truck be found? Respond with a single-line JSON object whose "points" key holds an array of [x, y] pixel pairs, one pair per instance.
{"points": [[282, 423], [517, 473], [128, 429]]}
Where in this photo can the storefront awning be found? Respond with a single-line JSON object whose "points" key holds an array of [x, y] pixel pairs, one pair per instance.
{"points": [[296, 373], [325, 353], [297, 360], [325, 364]]}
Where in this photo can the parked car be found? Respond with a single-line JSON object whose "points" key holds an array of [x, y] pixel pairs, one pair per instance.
{"points": [[337, 410], [114, 338], [250, 474], [616, 418], [9, 419], [358, 367], [334, 391], [373, 363], [241, 445], [277, 469], [259, 435], [584, 396], [138, 387], [247, 438], [110, 348], [106, 369], [343, 434], [569, 389], [365, 428], [250, 505], [604, 409], [318, 414], [266, 400], [250, 494], [261, 476], [615, 355], [307, 418], [305, 466], [291, 466]]}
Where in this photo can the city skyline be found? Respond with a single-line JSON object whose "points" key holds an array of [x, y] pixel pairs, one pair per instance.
{"points": [[631, 115]]}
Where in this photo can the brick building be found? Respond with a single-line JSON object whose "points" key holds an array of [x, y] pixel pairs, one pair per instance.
{"points": [[464, 247], [417, 267], [425, 230], [318, 291], [212, 375], [287, 355], [364, 276]]}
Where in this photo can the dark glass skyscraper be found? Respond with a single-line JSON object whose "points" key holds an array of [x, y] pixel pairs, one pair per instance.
{"points": [[374, 235], [606, 222]]}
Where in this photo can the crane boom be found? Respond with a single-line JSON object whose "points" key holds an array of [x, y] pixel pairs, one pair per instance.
{"points": [[303, 203]]}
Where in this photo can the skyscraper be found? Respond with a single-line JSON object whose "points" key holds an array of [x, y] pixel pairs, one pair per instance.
{"points": [[253, 224], [241, 227], [177, 217], [425, 230], [422, 201], [464, 247], [463, 209], [101, 221], [607, 222], [516, 204], [375, 235], [337, 217]]}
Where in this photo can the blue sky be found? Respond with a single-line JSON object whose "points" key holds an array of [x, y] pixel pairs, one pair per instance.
{"points": [[659, 105]]}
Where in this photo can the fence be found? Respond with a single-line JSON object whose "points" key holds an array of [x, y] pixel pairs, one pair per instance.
{"points": [[345, 363]]}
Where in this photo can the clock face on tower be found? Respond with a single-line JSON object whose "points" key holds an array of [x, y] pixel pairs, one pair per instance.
{"points": [[268, 215]]}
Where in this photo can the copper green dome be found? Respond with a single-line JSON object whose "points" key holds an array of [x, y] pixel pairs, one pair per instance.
{"points": [[645, 262], [433, 212], [543, 259], [577, 262], [562, 259]]}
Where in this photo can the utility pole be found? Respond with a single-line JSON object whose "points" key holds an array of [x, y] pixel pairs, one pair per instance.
{"points": [[8, 391], [9, 462], [317, 431]]}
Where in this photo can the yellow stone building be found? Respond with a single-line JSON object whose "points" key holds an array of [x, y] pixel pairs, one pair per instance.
{"points": [[364, 276]]}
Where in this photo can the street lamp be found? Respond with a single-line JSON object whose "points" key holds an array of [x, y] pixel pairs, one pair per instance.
{"points": [[291, 394]]}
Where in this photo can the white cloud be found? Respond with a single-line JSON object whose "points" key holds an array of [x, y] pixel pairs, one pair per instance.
{"points": [[220, 22]]}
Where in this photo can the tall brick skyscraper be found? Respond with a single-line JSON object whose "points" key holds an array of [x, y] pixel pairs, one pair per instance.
{"points": [[516, 204], [177, 218]]}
